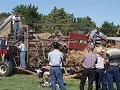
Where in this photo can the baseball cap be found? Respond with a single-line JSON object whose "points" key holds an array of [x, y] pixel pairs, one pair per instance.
{"points": [[100, 50]]}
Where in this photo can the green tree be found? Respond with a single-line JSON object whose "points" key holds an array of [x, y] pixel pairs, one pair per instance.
{"points": [[108, 29], [29, 14], [86, 24], [58, 16]]}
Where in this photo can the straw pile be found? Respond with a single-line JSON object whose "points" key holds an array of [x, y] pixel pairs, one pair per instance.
{"points": [[43, 35], [74, 58]]}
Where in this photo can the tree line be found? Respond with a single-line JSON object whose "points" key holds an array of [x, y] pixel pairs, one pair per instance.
{"points": [[29, 15]]}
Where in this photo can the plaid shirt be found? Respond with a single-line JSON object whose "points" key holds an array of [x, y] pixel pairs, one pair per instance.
{"points": [[89, 60]]}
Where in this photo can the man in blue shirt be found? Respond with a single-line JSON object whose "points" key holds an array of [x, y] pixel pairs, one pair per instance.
{"points": [[55, 59], [93, 36]]}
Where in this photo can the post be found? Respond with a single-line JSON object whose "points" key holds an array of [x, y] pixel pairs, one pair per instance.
{"points": [[26, 41], [11, 30]]}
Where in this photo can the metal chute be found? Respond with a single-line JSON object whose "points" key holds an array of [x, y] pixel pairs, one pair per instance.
{"points": [[5, 22]]}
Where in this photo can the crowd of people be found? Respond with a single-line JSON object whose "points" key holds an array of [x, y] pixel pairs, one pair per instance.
{"points": [[101, 67], [16, 44], [12, 50], [102, 70]]}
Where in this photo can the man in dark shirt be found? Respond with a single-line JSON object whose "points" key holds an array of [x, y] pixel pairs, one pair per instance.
{"points": [[3, 48], [12, 52]]}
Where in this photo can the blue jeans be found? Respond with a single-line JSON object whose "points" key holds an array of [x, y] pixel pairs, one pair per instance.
{"points": [[56, 76], [101, 76], [15, 28], [112, 71], [22, 59]]}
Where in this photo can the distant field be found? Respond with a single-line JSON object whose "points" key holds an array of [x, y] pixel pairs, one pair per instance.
{"points": [[30, 82]]}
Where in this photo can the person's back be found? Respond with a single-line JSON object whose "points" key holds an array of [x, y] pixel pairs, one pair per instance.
{"points": [[55, 59], [113, 57], [88, 60]]}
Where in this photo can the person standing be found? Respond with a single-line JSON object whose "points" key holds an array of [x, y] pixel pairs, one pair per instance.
{"points": [[101, 75], [55, 58], [16, 27], [88, 60], [12, 51], [113, 57], [22, 54], [3, 48]]}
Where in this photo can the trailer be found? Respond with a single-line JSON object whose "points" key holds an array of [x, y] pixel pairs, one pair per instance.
{"points": [[37, 49]]}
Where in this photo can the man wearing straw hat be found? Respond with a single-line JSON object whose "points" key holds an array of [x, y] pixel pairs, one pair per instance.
{"points": [[101, 76]]}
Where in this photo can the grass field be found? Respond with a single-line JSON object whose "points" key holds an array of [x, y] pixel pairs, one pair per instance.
{"points": [[30, 82]]}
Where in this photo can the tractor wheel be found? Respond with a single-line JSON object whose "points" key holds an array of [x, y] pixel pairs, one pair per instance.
{"points": [[5, 68]]}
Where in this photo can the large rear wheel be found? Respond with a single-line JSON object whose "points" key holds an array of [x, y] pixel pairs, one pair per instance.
{"points": [[5, 68]]}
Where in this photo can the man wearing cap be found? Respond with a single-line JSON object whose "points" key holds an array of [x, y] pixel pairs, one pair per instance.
{"points": [[55, 59], [113, 57], [88, 60], [101, 75]]}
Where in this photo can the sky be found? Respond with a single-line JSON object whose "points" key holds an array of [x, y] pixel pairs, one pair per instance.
{"points": [[98, 10]]}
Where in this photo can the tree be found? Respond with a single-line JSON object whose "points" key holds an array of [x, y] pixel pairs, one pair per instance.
{"points": [[108, 29], [29, 14], [58, 16], [86, 24]]}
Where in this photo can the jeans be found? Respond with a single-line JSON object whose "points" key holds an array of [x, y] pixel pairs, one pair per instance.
{"points": [[22, 59], [90, 73], [56, 75], [113, 71], [15, 28], [101, 76]]}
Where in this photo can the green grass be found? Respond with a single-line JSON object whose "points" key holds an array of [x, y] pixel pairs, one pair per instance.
{"points": [[30, 82]]}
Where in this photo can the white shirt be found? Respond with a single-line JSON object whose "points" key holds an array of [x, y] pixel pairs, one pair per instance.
{"points": [[100, 62], [55, 58], [15, 18], [22, 47]]}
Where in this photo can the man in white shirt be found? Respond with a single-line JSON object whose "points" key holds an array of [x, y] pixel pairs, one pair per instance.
{"points": [[101, 76], [16, 27], [55, 58], [22, 54]]}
